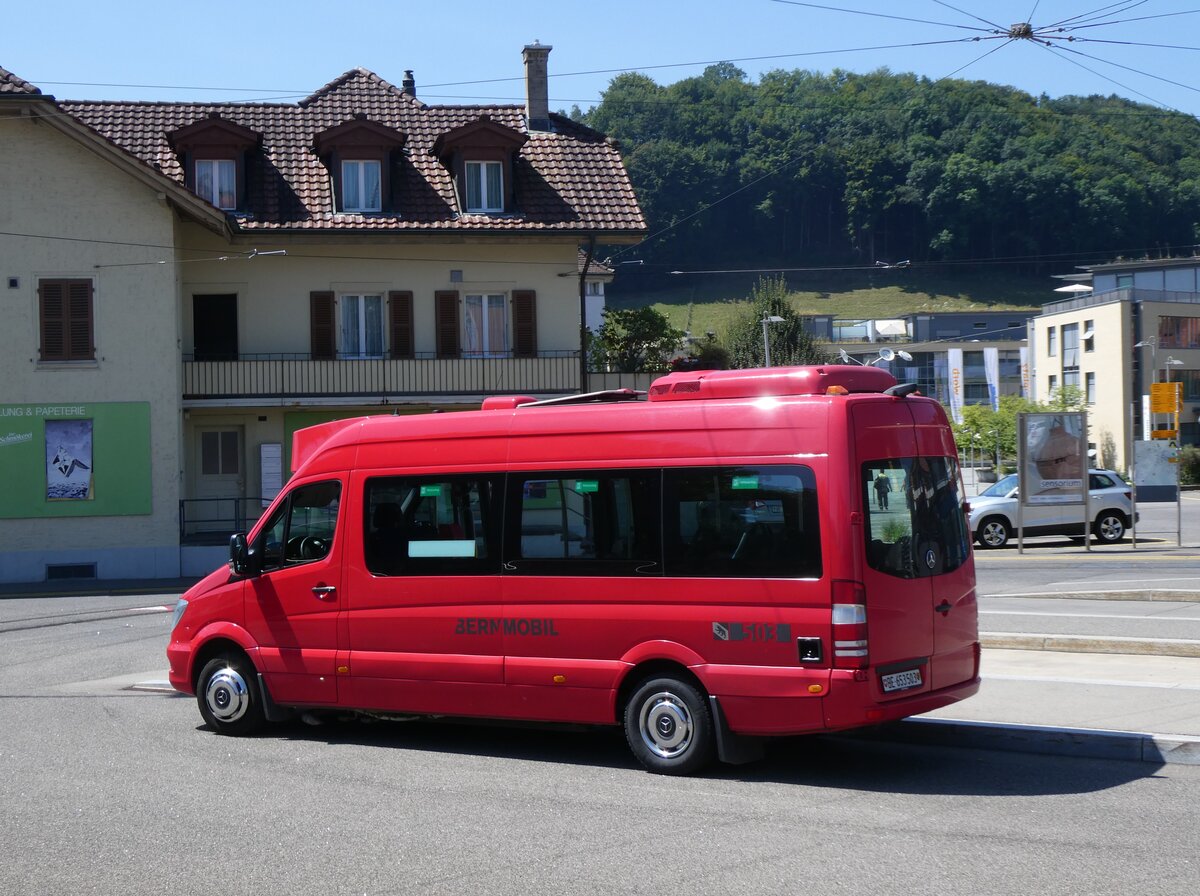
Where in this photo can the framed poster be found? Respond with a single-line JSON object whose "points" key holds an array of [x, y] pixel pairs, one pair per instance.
{"points": [[69, 473]]}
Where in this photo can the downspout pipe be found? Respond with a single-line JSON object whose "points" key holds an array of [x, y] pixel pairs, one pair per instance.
{"points": [[583, 331]]}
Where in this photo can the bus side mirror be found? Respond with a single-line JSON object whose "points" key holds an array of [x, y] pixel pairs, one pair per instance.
{"points": [[242, 560]]}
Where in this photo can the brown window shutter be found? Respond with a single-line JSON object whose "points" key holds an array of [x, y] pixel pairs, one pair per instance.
{"points": [[400, 305], [321, 325], [65, 309], [79, 316], [53, 310], [446, 323], [524, 312]]}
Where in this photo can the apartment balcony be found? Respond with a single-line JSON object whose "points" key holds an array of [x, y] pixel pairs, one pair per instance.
{"points": [[291, 377]]}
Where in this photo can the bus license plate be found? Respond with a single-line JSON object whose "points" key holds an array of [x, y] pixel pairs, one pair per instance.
{"points": [[902, 681]]}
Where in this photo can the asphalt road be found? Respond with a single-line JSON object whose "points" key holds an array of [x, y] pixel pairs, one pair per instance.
{"points": [[111, 790]]}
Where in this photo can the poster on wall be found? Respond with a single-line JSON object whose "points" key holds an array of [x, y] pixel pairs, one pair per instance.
{"points": [[69, 474]]}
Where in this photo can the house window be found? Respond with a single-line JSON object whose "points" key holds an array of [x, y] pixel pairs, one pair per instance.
{"points": [[65, 312], [485, 326], [1053, 385], [361, 186], [1091, 387], [485, 187], [361, 326], [1179, 332], [220, 453], [1052, 341], [1089, 336], [216, 181]]}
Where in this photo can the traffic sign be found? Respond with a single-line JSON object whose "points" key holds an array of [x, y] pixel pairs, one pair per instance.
{"points": [[1163, 434], [1165, 398]]}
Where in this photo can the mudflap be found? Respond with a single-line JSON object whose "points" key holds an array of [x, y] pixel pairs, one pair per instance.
{"points": [[271, 710], [734, 749]]}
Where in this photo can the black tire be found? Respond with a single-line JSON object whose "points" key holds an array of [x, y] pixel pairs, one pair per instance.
{"points": [[227, 692], [1110, 527], [993, 532], [669, 727]]}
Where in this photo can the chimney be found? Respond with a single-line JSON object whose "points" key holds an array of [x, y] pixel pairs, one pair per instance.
{"points": [[408, 86], [537, 97]]}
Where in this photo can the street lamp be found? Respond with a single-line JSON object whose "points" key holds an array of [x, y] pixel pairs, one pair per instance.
{"points": [[1153, 344], [885, 354], [768, 319]]}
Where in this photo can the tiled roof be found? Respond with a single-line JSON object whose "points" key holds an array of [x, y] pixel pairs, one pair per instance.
{"points": [[570, 180], [10, 83]]}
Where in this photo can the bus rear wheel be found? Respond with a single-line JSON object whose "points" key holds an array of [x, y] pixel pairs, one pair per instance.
{"points": [[669, 727]]}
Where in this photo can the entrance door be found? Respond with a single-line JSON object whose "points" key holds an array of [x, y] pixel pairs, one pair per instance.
{"points": [[214, 327], [219, 487]]}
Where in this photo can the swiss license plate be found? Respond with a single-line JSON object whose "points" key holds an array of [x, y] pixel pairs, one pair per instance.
{"points": [[902, 681]]}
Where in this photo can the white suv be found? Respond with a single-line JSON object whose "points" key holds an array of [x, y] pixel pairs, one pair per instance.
{"points": [[993, 518]]}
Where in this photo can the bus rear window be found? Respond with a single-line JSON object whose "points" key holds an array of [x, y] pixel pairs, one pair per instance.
{"points": [[914, 511], [742, 522]]}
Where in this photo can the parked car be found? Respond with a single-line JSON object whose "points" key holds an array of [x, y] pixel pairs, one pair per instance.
{"points": [[993, 517]]}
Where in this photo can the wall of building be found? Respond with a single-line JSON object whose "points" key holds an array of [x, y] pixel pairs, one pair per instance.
{"points": [[273, 291], [110, 229]]}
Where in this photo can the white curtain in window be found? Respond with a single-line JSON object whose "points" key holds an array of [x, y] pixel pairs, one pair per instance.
{"points": [[351, 324], [373, 329], [362, 326], [485, 326], [204, 179], [474, 199], [227, 188], [361, 186], [495, 198]]}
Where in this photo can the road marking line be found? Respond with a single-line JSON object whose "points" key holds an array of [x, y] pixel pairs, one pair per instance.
{"points": [[1098, 681]]}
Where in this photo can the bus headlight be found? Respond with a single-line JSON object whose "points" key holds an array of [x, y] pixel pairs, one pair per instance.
{"points": [[180, 606]]}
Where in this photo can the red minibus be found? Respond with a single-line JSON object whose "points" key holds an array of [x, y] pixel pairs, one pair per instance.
{"points": [[744, 554]]}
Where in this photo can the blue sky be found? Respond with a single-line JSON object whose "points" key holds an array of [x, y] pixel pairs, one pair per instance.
{"points": [[269, 50]]}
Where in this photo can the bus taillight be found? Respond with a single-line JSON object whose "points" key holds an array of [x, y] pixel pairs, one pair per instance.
{"points": [[849, 625]]}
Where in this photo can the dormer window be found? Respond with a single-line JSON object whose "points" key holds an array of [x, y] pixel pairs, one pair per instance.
{"points": [[361, 186], [214, 153], [481, 157], [361, 155], [216, 181], [485, 187]]}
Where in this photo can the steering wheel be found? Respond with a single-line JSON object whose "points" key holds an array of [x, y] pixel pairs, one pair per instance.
{"points": [[313, 548]]}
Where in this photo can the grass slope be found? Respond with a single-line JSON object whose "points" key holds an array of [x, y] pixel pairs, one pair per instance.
{"points": [[702, 303]]}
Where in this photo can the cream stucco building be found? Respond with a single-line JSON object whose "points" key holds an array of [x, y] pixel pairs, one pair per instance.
{"points": [[186, 284]]}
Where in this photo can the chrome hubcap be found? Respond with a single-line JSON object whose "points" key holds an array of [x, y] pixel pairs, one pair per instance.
{"points": [[227, 695], [666, 725], [1111, 528]]}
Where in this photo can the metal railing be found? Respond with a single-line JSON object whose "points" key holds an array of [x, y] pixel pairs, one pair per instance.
{"points": [[213, 520], [283, 376]]}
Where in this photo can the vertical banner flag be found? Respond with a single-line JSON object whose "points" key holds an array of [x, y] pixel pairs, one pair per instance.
{"points": [[991, 369], [954, 358], [1025, 393]]}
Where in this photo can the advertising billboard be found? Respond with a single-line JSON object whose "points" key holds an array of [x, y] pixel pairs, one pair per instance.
{"points": [[1053, 458]]}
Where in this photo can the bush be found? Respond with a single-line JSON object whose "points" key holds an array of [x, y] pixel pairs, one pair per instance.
{"points": [[1189, 465]]}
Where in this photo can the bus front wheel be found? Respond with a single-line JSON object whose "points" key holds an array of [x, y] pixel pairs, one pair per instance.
{"points": [[228, 695], [669, 727]]}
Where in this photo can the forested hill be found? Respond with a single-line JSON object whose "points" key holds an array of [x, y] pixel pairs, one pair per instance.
{"points": [[851, 169]]}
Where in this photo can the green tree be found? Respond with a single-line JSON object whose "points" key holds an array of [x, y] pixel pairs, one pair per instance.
{"points": [[631, 340], [790, 343]]}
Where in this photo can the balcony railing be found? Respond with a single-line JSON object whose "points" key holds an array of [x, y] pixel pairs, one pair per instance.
{"points": [[298, 376]]}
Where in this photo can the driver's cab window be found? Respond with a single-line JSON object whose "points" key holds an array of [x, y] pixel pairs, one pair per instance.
{"points": [[302, 528]]}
